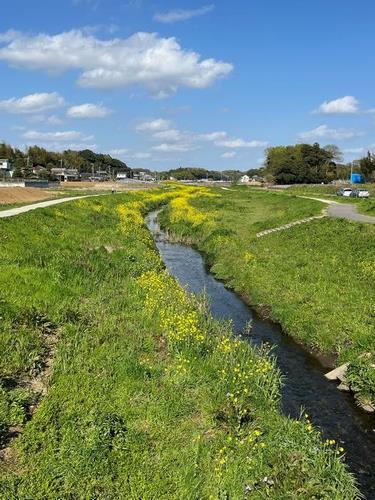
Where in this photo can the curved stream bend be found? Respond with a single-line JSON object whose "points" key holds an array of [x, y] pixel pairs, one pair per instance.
{"points": [[334, 412]]}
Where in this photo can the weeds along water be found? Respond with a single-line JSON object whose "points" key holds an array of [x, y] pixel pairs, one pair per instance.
{"points": [[316, 280], [149, 396]]}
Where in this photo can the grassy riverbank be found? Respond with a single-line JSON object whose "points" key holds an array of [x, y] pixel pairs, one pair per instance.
{"points": [[315, 279], [148, 396]]}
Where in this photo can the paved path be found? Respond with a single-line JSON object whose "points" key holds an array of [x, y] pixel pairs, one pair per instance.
{"points": [[335, 209], [42, 204], [347, 211]]}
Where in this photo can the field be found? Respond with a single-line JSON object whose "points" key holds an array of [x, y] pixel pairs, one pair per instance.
{"points": [[119, 384], [316, 279], [21, 195]]}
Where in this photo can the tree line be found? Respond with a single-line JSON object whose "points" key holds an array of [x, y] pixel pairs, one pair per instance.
{"points": [[84, 161], [311, 163], [195, 173]]}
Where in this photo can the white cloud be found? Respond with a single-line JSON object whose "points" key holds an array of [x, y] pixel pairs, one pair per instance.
{"points": [[229, 154], [324, 132], [173, 16], [88, 110], [172, 148], [53, 120], [342, 105], [353, 151], [154, 125], [69, 135], [32, 103], [118, 152], [241, 143], [160, 65], [45, 119], [61, 146], [213, 136], [172, 135], [141, 156], [77, 146]]}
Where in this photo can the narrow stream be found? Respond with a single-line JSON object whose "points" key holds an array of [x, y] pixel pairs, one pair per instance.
{"points": [[333, 411]]}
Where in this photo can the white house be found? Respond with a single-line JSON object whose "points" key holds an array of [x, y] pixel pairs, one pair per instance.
{"points": [[120, 176], [4, 164], [245, 179], [65, 174]]}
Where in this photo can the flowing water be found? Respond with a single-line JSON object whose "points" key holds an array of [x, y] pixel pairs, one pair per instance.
{"points": [[333, 411]]}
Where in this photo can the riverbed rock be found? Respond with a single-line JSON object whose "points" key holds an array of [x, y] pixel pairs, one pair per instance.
{"points": [[338, 373], [343, 387], [366, 404]]}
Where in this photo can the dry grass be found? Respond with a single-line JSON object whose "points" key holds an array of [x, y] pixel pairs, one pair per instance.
{"points": [[11, 195]]}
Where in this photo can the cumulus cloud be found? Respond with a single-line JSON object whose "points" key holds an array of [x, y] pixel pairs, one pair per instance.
{"points": [[172, 148], [229, 154], [342, 105], [118, 152], [88, 110], [172, 135], [32, 103], [324, 132], [241, 143], [213, 136], [176, 15], [159, 64], [154, 125], [68, 135]]}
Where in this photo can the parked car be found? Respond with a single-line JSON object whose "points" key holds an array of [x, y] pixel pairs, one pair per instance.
{"points": [[344, 192], [360, 193]]}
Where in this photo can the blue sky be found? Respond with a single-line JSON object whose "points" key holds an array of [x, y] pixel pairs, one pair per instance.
{"points": [[194, 83]]}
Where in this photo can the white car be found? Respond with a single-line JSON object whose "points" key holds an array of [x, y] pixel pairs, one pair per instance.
{"points": [[344, 192], [360, 193]]}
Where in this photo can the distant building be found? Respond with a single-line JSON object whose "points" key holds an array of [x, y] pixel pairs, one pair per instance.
{"points": [[65, 174], [120, 176], [143, 176], [4, 164], [100, 176], [244, 179], [6, 168], [38, 169]]}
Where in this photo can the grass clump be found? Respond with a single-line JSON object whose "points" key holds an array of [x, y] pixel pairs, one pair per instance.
{"points": [[149, 396]]}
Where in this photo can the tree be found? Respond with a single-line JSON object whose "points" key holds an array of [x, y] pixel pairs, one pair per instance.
{"points": [[301, 163], [367, 166], [18, 164], [334, 151], [6, 151]]}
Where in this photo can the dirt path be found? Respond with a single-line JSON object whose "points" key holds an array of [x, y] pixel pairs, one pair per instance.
{"points": [[26, 208]]}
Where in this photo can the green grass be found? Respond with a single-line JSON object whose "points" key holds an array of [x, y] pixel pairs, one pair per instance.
{"points": [[318, 278], [149, 396]]}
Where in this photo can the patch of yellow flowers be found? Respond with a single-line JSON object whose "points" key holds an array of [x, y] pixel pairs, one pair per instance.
{"points": [[172, 306], [181, 208]]}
